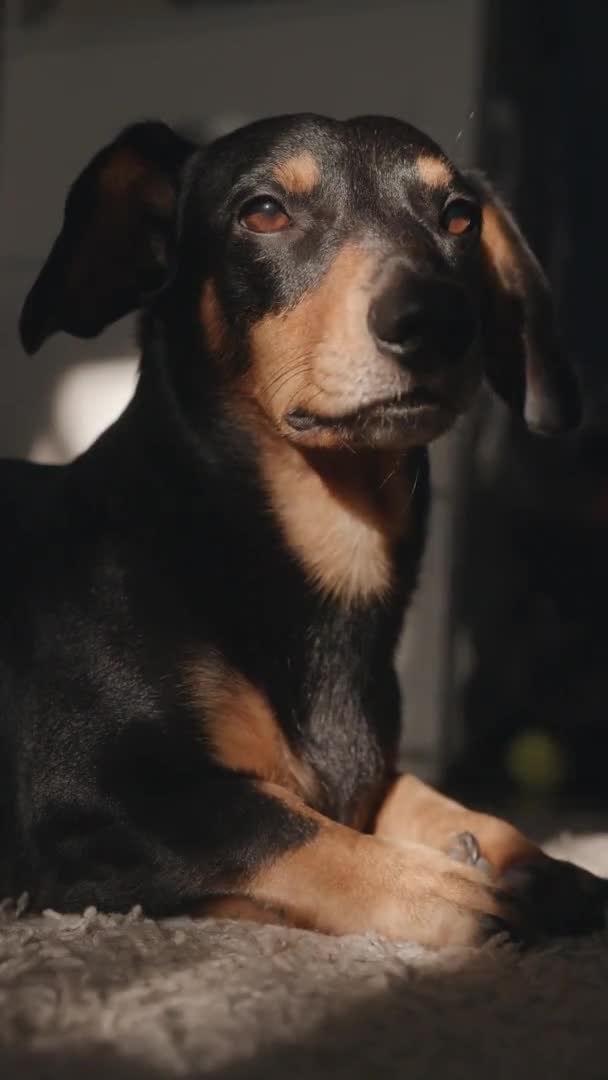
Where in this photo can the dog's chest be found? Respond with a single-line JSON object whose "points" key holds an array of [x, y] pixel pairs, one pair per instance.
{"points": [[316, 713], [348, 699], [300, 690]]}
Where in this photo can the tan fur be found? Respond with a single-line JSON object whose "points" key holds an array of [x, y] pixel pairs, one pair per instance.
{"points": [[239, 907], [212, 317], [433, 171], [340, 513], [501, 244], [298, 175], [510, 265], [342, 882], [320, 353], [241, 729], [415, 813]]}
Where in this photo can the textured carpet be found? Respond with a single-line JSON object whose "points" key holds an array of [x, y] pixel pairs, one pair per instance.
{"points": [[124, 997]]}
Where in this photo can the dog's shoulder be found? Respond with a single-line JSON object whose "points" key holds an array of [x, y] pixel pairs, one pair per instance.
{"points": [[28, 491], [34, 521]]}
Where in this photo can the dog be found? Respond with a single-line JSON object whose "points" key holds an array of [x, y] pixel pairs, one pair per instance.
{"points": [[198, 706]]}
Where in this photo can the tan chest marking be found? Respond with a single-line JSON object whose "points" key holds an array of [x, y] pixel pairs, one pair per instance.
{"points": [[241, 729], [341, 514]]}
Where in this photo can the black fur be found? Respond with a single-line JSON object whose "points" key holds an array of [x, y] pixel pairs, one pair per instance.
{"points": [[157, 544]]}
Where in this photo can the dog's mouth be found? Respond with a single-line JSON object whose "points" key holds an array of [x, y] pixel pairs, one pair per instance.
{"points": [[415, 416]]}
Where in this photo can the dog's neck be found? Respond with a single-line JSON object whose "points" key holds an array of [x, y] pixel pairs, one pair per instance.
{"points": [[341, 513]]}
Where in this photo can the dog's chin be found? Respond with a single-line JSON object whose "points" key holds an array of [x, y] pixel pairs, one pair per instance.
{"points": [[393, 424]]}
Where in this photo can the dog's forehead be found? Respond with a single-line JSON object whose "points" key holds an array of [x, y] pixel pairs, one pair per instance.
{"points": [[298, 151]]}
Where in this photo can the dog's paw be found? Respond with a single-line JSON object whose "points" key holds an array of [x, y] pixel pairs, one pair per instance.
{"points": [[558, 898], [462, 904]]}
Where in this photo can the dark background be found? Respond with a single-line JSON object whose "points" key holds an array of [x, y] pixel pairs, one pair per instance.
{"points": [[531, 569]]}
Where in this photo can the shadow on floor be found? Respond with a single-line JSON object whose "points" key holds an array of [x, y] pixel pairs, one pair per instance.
{"points": [[509, 1016]]}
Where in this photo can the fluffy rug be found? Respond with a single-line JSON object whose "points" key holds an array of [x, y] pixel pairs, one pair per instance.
{"points": [[126, 998]]}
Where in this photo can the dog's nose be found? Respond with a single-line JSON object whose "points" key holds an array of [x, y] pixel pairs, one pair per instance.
{"points": [[422, 320]]}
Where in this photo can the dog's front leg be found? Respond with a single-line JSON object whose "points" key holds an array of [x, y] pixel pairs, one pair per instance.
{"points": [[558, 897], [234, 845], [340, 881]]}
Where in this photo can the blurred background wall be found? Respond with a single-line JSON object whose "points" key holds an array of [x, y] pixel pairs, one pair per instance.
{"points": [[530, 582], [507, 638]]}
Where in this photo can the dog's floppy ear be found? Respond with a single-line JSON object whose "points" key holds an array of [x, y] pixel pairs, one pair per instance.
{"points": [[522, 355], [117, 240]]}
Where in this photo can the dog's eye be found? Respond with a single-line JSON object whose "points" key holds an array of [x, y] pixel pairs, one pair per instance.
{"points": [[460, 216], [264, 215]]}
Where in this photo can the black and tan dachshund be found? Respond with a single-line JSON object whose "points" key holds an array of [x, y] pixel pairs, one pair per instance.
{"points": [[198, 708]]}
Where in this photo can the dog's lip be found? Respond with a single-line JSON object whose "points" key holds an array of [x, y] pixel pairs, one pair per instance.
{"points": [[414, 405]]}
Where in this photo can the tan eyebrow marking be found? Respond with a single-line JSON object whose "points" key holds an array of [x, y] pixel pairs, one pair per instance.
{"points": [[433, 171], [299, 174]]}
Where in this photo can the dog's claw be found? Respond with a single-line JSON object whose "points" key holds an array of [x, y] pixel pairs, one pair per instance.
{"points": [[464, 848], [492, 926]]}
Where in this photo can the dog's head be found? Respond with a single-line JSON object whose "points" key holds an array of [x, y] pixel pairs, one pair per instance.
{"points": [[342, 278]]}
